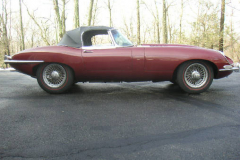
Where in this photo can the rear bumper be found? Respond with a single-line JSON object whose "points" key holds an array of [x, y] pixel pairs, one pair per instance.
{"points": [[8, 60], [235, 68]]}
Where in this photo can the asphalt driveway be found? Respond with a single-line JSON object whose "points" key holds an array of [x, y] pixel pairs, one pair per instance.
{"points": [[118, 121]]}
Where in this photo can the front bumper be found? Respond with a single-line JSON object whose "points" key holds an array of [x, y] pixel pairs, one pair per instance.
{"points": [[235, 67]]}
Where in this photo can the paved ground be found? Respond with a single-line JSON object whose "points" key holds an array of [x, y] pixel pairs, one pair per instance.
{"points": [[118, 121]]}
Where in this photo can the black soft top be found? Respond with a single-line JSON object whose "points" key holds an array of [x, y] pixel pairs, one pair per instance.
{"points": [[82, 36]]}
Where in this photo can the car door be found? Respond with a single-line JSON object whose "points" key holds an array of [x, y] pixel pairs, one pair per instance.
{"points": [[107, 63], [108, 59]]}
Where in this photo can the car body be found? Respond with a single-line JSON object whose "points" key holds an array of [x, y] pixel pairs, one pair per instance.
{"points": [[79, 57]]}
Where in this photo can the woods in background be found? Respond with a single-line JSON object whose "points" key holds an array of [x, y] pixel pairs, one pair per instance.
{"points": [[203, 23]]}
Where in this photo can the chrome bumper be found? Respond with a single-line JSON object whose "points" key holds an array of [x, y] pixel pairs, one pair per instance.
{"points": [[235, 68], [8, 59]]}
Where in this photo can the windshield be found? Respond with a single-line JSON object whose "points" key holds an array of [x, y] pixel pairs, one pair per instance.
{"points": [[120, 39]]}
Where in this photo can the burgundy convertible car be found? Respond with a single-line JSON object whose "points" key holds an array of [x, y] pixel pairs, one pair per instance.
{"points": [[103, 54]]}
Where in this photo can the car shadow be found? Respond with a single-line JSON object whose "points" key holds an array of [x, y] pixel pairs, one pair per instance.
{"points": [[120, 88]]}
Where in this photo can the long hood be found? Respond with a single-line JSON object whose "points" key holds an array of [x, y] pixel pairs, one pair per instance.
{"points": [[45, 49], [50, 49]]}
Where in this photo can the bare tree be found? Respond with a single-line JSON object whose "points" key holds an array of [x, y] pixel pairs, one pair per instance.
{"points": [[164, 22], [180, 24], [4, 19], [76, 14], [205, 30], [60, 18], [42, 30], [128, 28], [94, 13], [63, 17], [222, 26], [138, 24], [109, 6], [155, 14], [90, 12], [22, 47], [4, 33]]}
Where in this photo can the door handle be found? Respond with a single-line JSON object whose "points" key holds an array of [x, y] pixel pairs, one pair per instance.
{"points": [[87, 51]]}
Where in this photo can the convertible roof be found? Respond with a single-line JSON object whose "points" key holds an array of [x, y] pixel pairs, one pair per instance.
{"points": [[73, 38]]}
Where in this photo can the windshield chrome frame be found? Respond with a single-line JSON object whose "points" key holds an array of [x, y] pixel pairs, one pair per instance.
{"points": [[113, 40]]}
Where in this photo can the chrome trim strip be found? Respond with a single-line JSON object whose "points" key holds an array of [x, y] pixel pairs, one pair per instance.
{"points": [[231, 69], [98, 47], [113, 40], [23, 61], [111, 36]]}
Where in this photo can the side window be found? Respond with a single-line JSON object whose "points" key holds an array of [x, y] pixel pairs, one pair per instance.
{"points": [[96, 38], [101, 40]]}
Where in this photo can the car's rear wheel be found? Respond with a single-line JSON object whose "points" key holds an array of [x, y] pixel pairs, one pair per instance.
{"points": [[55, 78], [195, 76]]}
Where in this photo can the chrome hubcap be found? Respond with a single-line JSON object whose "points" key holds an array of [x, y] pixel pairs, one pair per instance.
{"points": [[196, 75], [54, 75]]}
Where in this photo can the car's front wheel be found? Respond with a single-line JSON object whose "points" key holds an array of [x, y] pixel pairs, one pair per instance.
{"points": [[55, 78], [195, 76]]}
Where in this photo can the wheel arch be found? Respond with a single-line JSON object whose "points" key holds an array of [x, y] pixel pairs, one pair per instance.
{"points": [[214, 67]]}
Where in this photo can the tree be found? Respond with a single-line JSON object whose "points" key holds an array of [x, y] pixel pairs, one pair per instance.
{"points": [[76, 14], [128, 27], [155, 14], [180, 24], [205, 30], [42, 28], [164, 22], [221, 36], [109, 6], [4, 19], [138, 24], [90, 12], [60, 18], [94, 13], [21, 24], [4, 32], [231, 39]]}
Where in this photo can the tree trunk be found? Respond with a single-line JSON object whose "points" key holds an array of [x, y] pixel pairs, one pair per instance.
{"points": [[221, 42], [110, 13], [164, 19], [59, 22], [94, 12], [90, 12], [76, 14], [180, 24], [21, 23], [138, 24], [157, 21], [6, 50], [63, 18], [5, 32]]}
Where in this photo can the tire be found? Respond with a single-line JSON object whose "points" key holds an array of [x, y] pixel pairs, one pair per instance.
{"points": [[55, 78], [195, 76]]}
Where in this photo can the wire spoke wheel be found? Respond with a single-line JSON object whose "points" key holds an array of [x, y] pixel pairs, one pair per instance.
{"points": [[196, 75], [55, 78], [54, 75]]}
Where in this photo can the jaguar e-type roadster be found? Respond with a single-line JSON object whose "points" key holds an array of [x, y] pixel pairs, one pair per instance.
{"points": [[103, 54]]}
